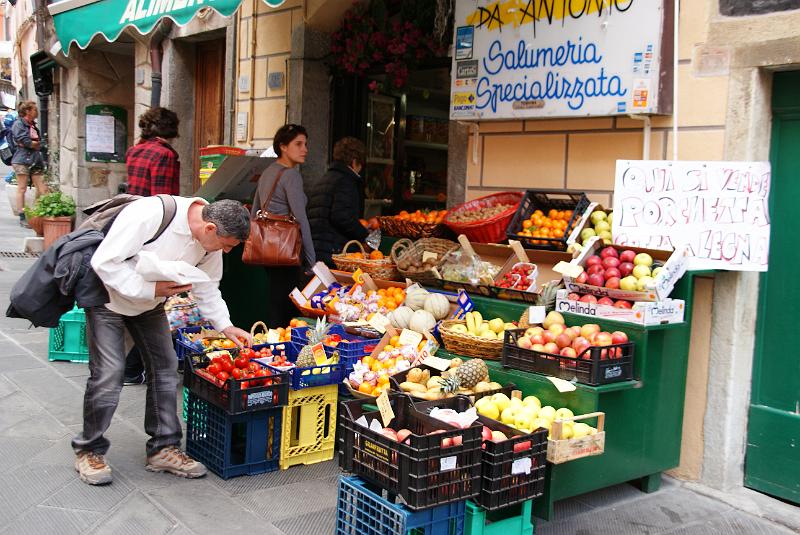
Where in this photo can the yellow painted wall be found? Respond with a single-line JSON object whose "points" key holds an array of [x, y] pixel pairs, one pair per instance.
{"points": [[269, 53]]}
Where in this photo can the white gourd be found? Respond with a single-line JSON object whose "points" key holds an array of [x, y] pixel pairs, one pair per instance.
{"points": [[422, 321], [438, 305], [415, 297], [400, 317]]}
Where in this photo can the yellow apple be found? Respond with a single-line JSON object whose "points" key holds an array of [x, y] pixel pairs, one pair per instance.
{"points": [[459, 328], [532, 401], [508, 416], [547, 412], [496, 325], [501, 400], [522, 421], [580, 430], [564, 413], [488, 409], [552, 318], [540, 422]]}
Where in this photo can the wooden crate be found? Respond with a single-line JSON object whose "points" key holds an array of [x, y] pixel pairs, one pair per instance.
{"points": [[562, 450]]}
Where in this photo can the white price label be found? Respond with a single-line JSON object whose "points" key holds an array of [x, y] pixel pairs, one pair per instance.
{"points": [[536, 314], [448, 463], [521, 466]]}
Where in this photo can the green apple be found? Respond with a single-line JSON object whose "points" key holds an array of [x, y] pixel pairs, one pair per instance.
{"points": [[547, 412], [532, 401], [628, 283], [643, 259], [604, 235], [541, 422], [580, 430], [508, 416], [488, 409], [610, 219], [602, 226], [496, 325], [564, 413], [643, 283], [607, 241], [566, 430], [516, 403], [656, 271], [501, 400], [522, 421], [598, 216], [587, 233], [641, 271]]}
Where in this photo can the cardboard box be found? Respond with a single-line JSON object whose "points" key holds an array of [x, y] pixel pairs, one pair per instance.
{"points": [[675, 264], [585, 221], [642, 313]]}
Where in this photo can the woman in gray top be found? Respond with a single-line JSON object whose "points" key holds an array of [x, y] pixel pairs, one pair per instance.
{"points": [[291, 145]]}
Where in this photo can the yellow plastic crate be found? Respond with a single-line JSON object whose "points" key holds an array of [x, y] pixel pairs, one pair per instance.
{"points": [[309, 426]]}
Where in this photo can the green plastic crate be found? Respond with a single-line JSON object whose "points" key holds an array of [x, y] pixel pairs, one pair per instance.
{"points": [[515, 519], [68, 340]]}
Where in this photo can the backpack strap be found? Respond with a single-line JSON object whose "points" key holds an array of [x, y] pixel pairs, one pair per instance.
{"points": [[170, 209]]}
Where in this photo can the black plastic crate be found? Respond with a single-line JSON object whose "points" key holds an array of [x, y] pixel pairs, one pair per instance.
{"points": [[512, 471], [594, 366], [231, 396], [230, 446], [421, 470], [545, 201]]}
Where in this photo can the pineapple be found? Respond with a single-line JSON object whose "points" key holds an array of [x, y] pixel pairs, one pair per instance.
{"points": [[316, 335], [547, 296], [450, 386], [471, 372]]}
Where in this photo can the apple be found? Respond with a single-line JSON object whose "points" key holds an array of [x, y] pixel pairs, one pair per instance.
{"points": [[643, 259], [524, 342], [605, 235], [595, 269], [609, 251], [564, 414], [612, 272], [501, 400], [623, 304], [589, 328], [573, 296], [596, 280], [610, 261], [602, 226], [602, 339], [523, 421], [568, 352], [548, 413], [619, 337], [581, 344], [640, 271], [533, 331], [588, 298], [508, 415], [574, 331], [625, 269], [486, 433], [538, 347], [551, 318], [556, 328], [580, 430], [598, 216], [537, 339], [644, 282], [532, 401], [548, 337], [551, 347], [581, 279], [628, 283], [498, 436], [613, 283], [587, 233], [540, 423], [563, 340], [627, 256], [607, 301], [594, 259], [657, 270]]}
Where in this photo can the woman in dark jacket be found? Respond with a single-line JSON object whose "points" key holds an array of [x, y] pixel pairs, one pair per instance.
{"points": [[28, 162], [336, 201]]}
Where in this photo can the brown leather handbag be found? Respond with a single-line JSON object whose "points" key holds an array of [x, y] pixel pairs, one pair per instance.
{"points": [[274, 240]]}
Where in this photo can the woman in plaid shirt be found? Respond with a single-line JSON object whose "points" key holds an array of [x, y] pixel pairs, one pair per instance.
{"points": [[153, 165]]}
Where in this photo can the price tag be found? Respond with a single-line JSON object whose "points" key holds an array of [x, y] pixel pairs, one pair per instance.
{"points": [[568, 268], [427, 255], [387, 414], [437, 363], [319, 354], [410, 338], [536, 314], [521, 466], [562, 385], [379, 322], [447, 463]]}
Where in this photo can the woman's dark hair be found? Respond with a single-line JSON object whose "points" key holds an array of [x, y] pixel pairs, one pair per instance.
{"points": [[286, 135], [25, 107], [348, 149], [159, 122]]}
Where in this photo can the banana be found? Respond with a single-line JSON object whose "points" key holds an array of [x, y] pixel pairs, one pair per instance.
{"points": [[470, 318], [478, 318]]}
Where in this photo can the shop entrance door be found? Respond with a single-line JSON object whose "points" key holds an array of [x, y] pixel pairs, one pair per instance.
{"points": [[772, 462], [209, 112]]}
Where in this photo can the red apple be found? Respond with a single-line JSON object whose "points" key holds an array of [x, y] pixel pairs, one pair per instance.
{"points": [[627, 256], [607, 301], [594, 259], [552, 348], [580, 344], [625, 269], [486, 434], [537, 339], [573, 332], [588, 298], [595, 269], [612, 283], [611, 272], [589, 328], [610, 262], [609, 252], [538, 347], [581, 279], [556, 328], [602, 339], [619, 337], [568, 352], [548, 337], [573, 296], [623, 304], [563, 340], [596, 280]]}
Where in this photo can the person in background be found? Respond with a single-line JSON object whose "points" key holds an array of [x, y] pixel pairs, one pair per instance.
{"points": [[291, 145], [28, 162], [198, 235], [153, 169], [336, 201]]}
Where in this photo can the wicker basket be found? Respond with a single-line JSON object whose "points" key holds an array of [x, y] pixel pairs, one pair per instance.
{"points": [[384, 269], [492, 230], [405, 249], [469, 345], [401, 228]]}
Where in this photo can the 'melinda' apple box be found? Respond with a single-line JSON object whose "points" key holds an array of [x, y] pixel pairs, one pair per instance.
{"points": [[641, 313], [626, 278]]}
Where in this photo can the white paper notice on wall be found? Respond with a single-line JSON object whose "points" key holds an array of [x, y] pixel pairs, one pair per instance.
{"points": [[719, 210], [100, 134]]}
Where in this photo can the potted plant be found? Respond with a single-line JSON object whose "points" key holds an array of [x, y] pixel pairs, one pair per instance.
{"points": [[35, 220], [57, 211]]}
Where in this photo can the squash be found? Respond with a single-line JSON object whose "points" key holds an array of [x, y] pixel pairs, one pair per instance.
{"points": [[422, 321], [415, 297], [438, 305], [400, 317]]}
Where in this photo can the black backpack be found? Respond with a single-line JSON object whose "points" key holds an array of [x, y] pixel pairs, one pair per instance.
{"points": [[7, 146]]}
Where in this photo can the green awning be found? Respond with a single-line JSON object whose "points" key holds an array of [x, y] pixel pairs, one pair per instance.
{"points": [[79, 21]]}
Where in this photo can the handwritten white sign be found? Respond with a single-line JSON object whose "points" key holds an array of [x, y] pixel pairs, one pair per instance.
{"points": [[720, 210], [100, 134], [555, 58]]}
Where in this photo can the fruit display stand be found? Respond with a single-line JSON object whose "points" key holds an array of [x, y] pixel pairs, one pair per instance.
{"points": [[644, 416]]}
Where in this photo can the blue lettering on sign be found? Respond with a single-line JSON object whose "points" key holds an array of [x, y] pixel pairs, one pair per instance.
{"points": [[574, 89]]}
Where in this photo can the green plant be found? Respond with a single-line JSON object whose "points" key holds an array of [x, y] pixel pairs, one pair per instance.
{"points": [[54, 204]]}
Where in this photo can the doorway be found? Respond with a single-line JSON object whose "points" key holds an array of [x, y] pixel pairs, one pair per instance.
{"points": [[772, 461], [209, 90]]}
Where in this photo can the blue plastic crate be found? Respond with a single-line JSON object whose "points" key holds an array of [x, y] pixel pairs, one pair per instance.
{"points": [[300, 379], [352, 346], [68, 340], [230, 446], [183, 346], [361, 510]]}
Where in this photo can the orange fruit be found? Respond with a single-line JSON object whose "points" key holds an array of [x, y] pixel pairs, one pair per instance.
{"points": [[376, 365], [527, 224], [394, 340], [365, 388], [383, 379]]}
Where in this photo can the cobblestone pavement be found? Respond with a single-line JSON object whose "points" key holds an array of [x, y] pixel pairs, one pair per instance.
{"points": [[40, 410]]}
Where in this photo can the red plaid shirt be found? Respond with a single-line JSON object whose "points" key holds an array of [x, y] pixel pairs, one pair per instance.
{"points": [[153, 168]]}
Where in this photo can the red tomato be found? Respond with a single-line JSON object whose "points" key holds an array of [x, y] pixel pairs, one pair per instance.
{"points": [[236, 373], [247, 353], [226, 365], [241, 362], [253, 367], [223, 376], [214, 368]]}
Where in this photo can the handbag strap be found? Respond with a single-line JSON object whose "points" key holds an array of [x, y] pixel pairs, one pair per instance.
{"points": [[265, 204]]}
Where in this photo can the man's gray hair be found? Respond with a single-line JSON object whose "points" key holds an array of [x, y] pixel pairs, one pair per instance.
{"points": [[231, 218]]}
